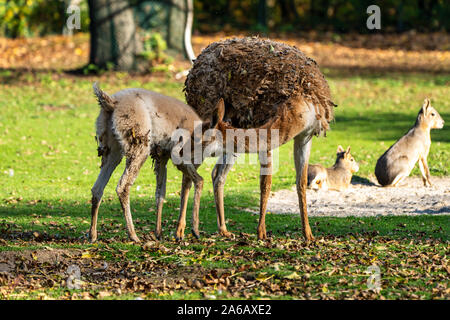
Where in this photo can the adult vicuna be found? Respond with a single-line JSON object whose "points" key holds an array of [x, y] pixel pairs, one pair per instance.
{"points": [[264, 85], [399, 160], [136, 123]]}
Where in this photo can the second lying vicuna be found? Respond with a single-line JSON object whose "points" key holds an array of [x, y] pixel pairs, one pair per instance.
{"points": [[338, 177], [136, 123]]}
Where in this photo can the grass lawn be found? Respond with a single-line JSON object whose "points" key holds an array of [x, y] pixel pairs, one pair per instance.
{"points": [[48, 164]]}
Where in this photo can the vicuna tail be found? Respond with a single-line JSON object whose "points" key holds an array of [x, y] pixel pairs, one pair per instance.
{"points": [[105, 101]]}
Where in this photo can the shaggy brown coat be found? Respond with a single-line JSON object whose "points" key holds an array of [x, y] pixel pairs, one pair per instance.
{"points": [[256, 78]]}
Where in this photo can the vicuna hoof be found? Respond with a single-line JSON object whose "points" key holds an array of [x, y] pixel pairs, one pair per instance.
{"points": [[195, 234], [262, 235], [158, 235], [308, 236], [227, 234], [135, 239], [92, 237], [179, 235]]}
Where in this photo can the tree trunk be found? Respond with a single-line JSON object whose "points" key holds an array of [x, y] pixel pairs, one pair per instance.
{"points": [[262, 13], [113, 34], [289, 12], [177, 20], [114, 25]]}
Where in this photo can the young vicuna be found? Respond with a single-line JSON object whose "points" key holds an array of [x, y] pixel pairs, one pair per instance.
{"points": [[398, 161], [338, 177], [136, 123]]}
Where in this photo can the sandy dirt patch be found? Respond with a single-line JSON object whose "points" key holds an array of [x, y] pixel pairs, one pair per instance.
{"points": [[369, 199]]}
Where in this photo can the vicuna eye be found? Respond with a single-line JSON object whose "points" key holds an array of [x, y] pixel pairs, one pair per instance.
{"points": [[352, 160], [433, 114]]}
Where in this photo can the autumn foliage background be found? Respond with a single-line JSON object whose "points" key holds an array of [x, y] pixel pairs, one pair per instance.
{"points": [[41, 17], [48, 162], [413, 34]]}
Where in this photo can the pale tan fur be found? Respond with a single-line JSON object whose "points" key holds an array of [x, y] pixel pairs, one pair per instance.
{"points": [[136, 123], [399, 160], [337, 177]]}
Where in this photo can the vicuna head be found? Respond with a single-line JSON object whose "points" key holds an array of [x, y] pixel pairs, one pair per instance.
{"points": [[209, 134], [217, 124], [240, 140], [428, 118], [204, 141], [346, 160]]}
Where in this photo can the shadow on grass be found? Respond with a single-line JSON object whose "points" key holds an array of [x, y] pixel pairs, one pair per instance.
{"points": [[362, 181], [438, 76], [443, 210], [69, 222]]}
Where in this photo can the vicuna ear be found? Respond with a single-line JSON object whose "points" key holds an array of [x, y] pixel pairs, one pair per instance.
{"points": [[340, 149], [218, 114], [348, 150], [426, 105]]}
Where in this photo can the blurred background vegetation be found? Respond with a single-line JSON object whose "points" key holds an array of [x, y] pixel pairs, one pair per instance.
{"points": [[321, 15], [25, 18]]}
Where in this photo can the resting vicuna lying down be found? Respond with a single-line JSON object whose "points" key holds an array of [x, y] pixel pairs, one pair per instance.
{"points": [[399, 160], [338, 177], [136, 123]]}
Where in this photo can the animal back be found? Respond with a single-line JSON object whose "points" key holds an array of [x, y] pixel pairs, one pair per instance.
{"points": [[256, 78]]}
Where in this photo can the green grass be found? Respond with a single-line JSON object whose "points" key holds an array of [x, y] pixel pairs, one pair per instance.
{"points": [[47, 139]]}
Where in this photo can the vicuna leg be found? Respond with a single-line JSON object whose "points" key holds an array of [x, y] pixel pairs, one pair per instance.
{"points": [[399, 178], [186, 185], [265, 184], [426, 177], [160, 194], [219, 176], [132, 168], [190, 171], [108, 166], [301, 157], [198, 186]]}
